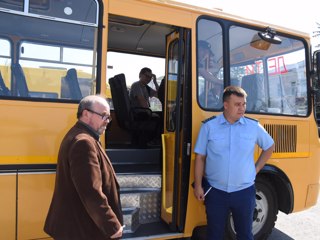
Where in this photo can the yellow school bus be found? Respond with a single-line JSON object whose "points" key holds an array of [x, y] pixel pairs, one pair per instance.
{"points": [[53, 53]]}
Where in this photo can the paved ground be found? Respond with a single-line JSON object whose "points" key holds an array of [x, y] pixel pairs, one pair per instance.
{"points": [[298, 226]]}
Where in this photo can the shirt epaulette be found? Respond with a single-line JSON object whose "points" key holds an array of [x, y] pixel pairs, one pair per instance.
{"points": [[208, 119], [252, 119]]}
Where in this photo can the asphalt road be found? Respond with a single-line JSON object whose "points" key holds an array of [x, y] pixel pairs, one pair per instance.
{"points": [[303, 225]]}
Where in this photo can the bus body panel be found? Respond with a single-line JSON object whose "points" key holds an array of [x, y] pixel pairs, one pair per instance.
{"points": [[8, 205], [32, 131], [34, 198]]}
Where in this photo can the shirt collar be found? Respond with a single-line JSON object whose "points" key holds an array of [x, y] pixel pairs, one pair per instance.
{"points": [[90, 130], [223, 120]]}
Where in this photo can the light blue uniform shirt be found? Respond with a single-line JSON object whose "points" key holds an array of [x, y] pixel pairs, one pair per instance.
{"points": [[229, 151]]}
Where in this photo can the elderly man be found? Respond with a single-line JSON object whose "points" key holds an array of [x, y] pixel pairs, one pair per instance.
{"points": [[85, 203]]}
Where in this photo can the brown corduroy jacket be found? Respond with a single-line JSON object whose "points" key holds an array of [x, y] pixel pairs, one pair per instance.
{"points": [[85, 203]]}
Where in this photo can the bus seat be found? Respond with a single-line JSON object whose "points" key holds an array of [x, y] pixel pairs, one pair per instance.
{"points": [[21, 83], [254, 86], [72, 82], [4, 91], [141, 128]]}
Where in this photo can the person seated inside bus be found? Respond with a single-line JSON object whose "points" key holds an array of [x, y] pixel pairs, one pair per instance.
{"points": [[212, 98], [208, 70], [161, 92], [140, 94]]}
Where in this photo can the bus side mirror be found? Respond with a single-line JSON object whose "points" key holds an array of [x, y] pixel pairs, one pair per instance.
{"points": [[263, 40], [270, 35]]}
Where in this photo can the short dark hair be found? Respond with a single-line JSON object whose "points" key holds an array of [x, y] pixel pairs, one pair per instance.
{"points": [[144, 71], [233, 90]]}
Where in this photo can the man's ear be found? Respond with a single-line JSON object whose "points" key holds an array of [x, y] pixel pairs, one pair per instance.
{"points": [[225, 105]]}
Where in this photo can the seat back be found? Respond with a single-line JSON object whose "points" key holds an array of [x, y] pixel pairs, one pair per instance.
{"points": [[20, 79], [4, 91], [73, 84], [121, 101], [254, 86]]}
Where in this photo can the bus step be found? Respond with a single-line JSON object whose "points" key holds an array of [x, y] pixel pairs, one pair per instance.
{"points": [[139, 180], [135, 160], [140, 196], [147, 200], [130, 219]]}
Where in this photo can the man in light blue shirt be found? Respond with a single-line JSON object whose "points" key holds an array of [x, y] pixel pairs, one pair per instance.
{"points": [[225, 156]]}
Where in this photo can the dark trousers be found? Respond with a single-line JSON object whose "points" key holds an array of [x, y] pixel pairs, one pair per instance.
{"points": [[219, 204]]}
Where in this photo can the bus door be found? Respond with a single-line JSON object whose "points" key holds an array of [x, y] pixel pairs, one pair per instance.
{"points": [[177, 130]]}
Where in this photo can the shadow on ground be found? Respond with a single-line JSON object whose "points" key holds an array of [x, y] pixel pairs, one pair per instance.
{"points": [[278, 235]]}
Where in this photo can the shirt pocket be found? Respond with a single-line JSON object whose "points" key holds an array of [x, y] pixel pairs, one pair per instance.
{"points": [[247, 138], [218, 142]]}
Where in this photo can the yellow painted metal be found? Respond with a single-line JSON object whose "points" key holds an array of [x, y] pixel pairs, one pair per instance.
{"points": [[312, 195], [31, 132], [168, 144], [8, 206], [34, 197]]}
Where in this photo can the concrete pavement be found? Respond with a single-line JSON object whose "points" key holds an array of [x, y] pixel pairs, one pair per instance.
{"points": [[303, 225]]}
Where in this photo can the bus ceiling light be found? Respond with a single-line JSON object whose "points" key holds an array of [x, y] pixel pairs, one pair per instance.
{"points": [[67, 10]]}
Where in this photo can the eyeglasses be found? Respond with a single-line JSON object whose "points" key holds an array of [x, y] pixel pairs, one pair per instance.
{"points": [[104, 117]]}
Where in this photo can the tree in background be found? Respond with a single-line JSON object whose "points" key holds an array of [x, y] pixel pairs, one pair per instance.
{"points": [[316, 34]]}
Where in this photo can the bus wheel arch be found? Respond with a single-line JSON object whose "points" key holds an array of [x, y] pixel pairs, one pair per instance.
{"points": [[281, 185]]}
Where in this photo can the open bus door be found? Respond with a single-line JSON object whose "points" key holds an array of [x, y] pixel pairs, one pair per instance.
{"points": [[176, 138]]}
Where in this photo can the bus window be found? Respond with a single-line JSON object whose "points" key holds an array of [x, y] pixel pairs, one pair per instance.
{"points": [[81, 10], [48, 67], [56, 9], [172, 87], [5, 62], [275, 83], [13, 5], [210, 64], [5, 49], [55, 59], [288, 84]]}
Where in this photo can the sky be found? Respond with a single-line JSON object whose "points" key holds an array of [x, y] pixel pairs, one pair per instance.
{"points": [[299, 15]]}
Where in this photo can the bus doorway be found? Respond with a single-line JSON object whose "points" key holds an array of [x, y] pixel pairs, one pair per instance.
{"points": [[152, 177]]}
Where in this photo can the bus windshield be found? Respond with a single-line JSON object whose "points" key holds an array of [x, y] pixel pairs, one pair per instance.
{"points": [[273, 75]]}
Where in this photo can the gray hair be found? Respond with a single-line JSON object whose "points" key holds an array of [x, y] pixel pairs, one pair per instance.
{"points": [[89, 101]]}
